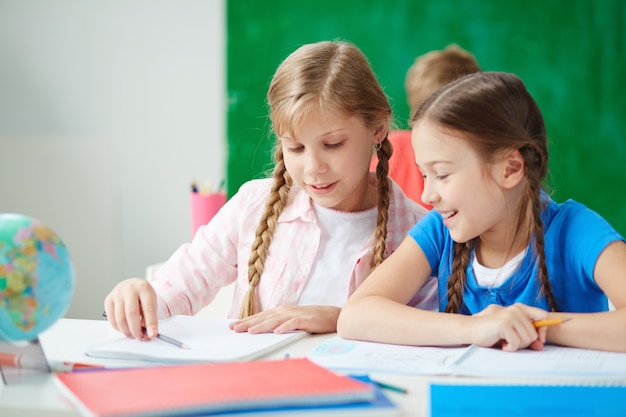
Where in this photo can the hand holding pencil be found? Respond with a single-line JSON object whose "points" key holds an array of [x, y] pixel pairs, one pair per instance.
{"points": [[164, 338], [514, 327], [131, 308]]}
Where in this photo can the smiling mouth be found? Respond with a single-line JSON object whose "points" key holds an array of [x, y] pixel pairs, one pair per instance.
{"points": [[320, 186], [448, 214]]}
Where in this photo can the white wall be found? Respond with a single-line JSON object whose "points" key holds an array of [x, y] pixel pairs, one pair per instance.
{"points": [[107, 109]]}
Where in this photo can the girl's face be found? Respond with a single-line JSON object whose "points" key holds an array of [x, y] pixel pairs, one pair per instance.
{"points": [[458, 183], [329, 158]]}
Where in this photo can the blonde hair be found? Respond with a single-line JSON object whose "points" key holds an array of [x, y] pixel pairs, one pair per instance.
{"points": [[334, 76], [435, 69]]}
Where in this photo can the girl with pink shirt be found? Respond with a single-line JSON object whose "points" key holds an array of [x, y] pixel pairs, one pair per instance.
{"points": [[299, 243]]}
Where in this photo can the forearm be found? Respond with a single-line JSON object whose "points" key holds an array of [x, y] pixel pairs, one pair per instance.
{"points": [[379, 319], [600, 331]]}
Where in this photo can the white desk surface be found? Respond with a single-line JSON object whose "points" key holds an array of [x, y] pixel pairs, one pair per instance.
{"points": [[37, 395]]}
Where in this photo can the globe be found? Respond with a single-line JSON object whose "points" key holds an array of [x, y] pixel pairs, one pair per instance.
{"points": [[36, 277]]}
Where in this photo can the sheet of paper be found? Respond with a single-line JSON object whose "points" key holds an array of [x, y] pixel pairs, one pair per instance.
{"points": [[552, 361], [209, 339], [358, 356]]}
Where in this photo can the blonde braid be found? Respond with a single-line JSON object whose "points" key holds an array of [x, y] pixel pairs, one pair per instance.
{"points": [[265, 231], [384, 152], [456, 282]]}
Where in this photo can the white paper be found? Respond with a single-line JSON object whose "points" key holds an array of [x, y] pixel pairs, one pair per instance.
{"points": [[209, 340], [358, 356], [552, 361]]}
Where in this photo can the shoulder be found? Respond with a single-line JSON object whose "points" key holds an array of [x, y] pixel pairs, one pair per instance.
{"points": [[251, 195], [573, 224], [433, 238], [403, 206], [572, 214], [430, 227], [257, 186], [254, 190]]}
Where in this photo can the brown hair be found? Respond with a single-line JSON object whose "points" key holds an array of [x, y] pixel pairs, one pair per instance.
{"points": [[435, 69], [495, 113], [334, 76]]}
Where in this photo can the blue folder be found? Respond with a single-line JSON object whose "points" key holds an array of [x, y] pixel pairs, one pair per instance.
{"points": [[469, 400]]}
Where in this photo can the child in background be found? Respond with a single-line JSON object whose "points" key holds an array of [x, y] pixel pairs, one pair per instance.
{"points": [[429, 72], [504, 252], [299, 243], [436, 69]]}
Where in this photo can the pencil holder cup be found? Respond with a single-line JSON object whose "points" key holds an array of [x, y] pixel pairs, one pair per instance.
{"points": [[204, 207]]}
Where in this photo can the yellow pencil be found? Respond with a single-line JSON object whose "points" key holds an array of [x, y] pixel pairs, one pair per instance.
{"points": [[550, 322]]}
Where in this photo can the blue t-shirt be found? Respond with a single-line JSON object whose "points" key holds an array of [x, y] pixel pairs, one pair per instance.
{"points": [[574, 238]]}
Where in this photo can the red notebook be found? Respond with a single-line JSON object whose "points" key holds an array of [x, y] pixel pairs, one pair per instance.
{"points": [[209, 388]]}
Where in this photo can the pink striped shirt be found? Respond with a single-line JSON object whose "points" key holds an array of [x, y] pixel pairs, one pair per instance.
{"points": [[218, 254]]}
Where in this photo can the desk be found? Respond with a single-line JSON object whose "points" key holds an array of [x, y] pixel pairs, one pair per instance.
{"points": [[37, 395]]}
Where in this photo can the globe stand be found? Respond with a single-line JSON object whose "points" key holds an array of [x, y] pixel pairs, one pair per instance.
{"points": [[21, 359]]}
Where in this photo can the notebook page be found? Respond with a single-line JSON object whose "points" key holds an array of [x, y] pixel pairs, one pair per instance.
{"points": [[209, 339], [551, 361]]}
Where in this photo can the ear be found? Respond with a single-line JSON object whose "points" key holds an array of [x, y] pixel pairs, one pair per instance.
{"points": [[380, 131], [513, 169]]}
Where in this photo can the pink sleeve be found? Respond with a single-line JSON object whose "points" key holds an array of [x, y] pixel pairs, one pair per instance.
{"points": [[192, 276]]}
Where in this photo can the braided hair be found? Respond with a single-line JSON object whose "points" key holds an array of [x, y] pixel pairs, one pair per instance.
{"points": [[334, 76], [495, 113]]}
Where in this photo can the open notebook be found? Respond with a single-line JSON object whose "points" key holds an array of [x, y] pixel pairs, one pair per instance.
{"points": [[209, 340]]}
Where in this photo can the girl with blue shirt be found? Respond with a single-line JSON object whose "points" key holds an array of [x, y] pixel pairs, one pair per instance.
{"points": [[504, 253]]}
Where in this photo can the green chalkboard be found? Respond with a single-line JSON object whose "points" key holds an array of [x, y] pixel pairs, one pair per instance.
{"points": [[570, 53]]}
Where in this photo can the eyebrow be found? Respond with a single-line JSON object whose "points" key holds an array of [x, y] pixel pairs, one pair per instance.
{"points": [[323, 135]]}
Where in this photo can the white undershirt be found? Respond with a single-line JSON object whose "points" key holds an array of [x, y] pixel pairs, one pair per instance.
{"points": [[494, 277], [343, 236]]}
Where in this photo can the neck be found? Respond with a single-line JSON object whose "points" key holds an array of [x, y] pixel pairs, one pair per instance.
{"points": [[496, 247]]}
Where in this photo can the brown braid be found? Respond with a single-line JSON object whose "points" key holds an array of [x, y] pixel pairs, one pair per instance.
{"points": [[384, 152], [265, 231], [456, 282], [532, 193]]}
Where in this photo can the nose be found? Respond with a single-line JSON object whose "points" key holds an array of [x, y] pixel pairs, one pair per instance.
{"points": [[429, 193], [315, 163]]}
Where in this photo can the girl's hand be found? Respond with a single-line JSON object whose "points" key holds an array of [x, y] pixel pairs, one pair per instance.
{"points": [[131, 306], [312, 319], [509, 327]]}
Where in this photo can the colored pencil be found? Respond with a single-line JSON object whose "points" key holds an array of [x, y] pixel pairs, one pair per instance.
{"points": [[550, 322]]}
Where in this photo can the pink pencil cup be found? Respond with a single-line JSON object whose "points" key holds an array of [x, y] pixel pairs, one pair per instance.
{"points": [[204, 207]]}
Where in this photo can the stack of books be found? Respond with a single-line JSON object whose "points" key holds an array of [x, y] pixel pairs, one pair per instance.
{"points": [[268, 387]]}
